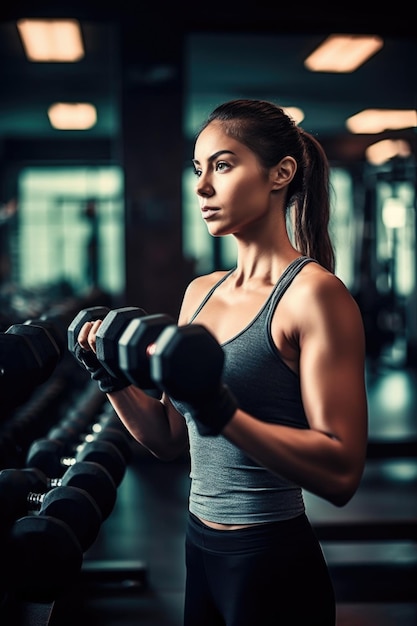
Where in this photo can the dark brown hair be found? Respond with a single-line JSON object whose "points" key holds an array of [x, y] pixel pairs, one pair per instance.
{"points": [[271, 134]]}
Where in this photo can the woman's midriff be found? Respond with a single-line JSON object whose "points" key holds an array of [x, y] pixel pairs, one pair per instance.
{"points": [[217, 526]]}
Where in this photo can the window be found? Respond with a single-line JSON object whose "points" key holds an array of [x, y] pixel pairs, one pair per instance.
{"points": [[70, 228]]}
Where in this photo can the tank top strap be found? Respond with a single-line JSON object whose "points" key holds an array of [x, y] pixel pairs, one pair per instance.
{"points": [[285, 281], [210, 293]]}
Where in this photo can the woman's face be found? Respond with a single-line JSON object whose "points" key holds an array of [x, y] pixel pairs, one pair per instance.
{"points": [[233, 189]]}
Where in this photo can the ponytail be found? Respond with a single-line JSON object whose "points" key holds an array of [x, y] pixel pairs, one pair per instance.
{"points": [[311, 205]]}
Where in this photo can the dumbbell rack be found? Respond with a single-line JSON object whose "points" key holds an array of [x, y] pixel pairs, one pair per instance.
{"points": [[22, 607]]}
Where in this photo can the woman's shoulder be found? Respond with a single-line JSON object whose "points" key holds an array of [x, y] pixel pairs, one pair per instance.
{"points": [[321, 292], [316, 281]]}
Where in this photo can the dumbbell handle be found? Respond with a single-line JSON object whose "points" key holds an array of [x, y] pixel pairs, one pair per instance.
{"points": [[34, 500]]}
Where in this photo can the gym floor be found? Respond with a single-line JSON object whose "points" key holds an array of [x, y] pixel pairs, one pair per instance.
{"points": [[134, 572]]}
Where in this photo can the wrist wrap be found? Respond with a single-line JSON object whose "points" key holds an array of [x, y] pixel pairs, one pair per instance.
{"points": [[106, 382], [212, 415]]}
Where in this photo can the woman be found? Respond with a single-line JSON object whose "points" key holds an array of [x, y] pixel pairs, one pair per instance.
{"points": [[292, 413]]}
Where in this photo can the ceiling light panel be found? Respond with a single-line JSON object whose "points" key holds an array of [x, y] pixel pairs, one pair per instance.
{"points": [[51, 40], [375, 121], [72, 116], [343, 53]]}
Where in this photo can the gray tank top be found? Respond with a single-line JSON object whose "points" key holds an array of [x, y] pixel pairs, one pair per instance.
{"points": [[227, 486]]}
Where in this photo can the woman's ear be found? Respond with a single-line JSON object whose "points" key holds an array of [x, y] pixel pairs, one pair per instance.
{"points": [[283, 173]]}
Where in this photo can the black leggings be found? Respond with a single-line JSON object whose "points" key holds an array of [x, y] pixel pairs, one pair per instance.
{"points": [[268, 575]]}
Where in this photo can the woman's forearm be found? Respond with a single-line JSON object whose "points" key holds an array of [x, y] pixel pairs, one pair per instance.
{"points": [[152, 422], [312, 459]]}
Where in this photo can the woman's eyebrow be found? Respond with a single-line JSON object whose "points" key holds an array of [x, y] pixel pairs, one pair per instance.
{"points": [[214, 156]]}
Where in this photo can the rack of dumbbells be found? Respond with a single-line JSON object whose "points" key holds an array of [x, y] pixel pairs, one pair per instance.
{"points": [[63, 482], [38, 377], [63, 454]]}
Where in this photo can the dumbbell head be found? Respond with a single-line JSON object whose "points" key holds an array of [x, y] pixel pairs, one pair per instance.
{"points": [[46, 455], [19, 365], [105, 454], [96, 480], [43, 558], [187, 361], [77, 508], [55, 328], [89, 314], [22, 368], [44, 346], [108, 335], [133, 345], [115, 435], [65, 434]]}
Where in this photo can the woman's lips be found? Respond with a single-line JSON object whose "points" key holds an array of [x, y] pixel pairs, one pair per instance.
{"points": [[208, 212]]}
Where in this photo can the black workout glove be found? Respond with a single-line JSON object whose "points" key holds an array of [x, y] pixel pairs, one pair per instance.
{"points": [[106, 382], [212, 413]]}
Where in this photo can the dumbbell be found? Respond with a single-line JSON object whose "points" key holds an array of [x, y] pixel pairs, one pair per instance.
{"points": [[16, 485], [185, 360], [25, 491], [29, 353], [49, 455], [88, 475], [72, 442], [153, 351], [119, 349]]}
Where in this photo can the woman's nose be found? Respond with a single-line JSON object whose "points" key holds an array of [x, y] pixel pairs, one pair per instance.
{"points": [[203, 187]]}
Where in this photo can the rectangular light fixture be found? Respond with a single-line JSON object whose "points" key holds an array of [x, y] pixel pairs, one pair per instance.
{"points": [[343, 53], [72, 116], [374, 121], [51, 40], [380, 152]]}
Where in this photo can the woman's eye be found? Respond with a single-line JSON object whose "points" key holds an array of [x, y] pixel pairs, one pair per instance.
{"points": [[221, 166], [197, 172]]}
